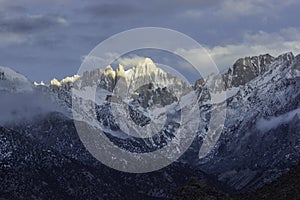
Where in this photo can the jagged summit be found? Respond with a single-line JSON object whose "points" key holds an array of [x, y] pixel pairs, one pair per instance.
{"points": [[143, 68], [58, 83], [120, 71], [142, 73], [55, 82], [147, 72], [146, 67], [148, 61], [245, 69], [109, 71], [248, 68], [70, 79], [286, 56]]}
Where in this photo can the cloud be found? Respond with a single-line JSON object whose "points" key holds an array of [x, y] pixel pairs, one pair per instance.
{"points": [[253, 44], [235, 8], [226, 9], [131, 60], [30, 23], [21, 28], [265, 125], [224, 56], [25, 106], [192, 13], [11, 38], [287, 34], [201, 57], [12, 8], [103, 59], [111, 10], [91, 62], [28, 40], [151, 11]]}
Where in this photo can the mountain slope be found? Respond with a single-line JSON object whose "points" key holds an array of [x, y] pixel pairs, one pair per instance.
{"points": [[285, 187], [47, 160], [11, 81], [254, 148]]}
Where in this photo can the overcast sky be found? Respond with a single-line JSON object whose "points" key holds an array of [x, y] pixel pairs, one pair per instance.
{"points": [[47, 39]]}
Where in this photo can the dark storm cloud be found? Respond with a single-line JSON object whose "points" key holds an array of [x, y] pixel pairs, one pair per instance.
{"points": [[30, 23]]}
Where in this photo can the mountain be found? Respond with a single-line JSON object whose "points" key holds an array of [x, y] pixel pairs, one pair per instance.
{"points": [[260, 138], [143, 73], [258, 143], [45, 158], [246, 69], [20, 100], [137, 94], [13, 82]]}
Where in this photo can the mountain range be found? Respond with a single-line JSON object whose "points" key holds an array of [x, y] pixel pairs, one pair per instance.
{"points": [[42, 156]]}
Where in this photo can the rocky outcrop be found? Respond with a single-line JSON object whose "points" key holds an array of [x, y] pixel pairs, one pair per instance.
{"points": [[246, 69], [243, 71]]}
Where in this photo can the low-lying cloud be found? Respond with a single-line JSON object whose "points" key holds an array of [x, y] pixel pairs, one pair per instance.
{"points": [[23, 107]]}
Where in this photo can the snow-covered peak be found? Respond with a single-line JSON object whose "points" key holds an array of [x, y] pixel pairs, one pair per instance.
{"points": [[71, 79], [148, 61], [120, 72], [39, 84], [146, 72], [12, 81], [109, 71], [134, 77], [55, 82], [66, 80], [145, 68]]}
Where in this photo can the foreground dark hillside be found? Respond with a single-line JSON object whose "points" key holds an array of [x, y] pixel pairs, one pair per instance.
{"points": [[48, 161], [285, 187]]}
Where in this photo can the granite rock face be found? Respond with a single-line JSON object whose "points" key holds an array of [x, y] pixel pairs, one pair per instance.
{"points": [[246, 69]]}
